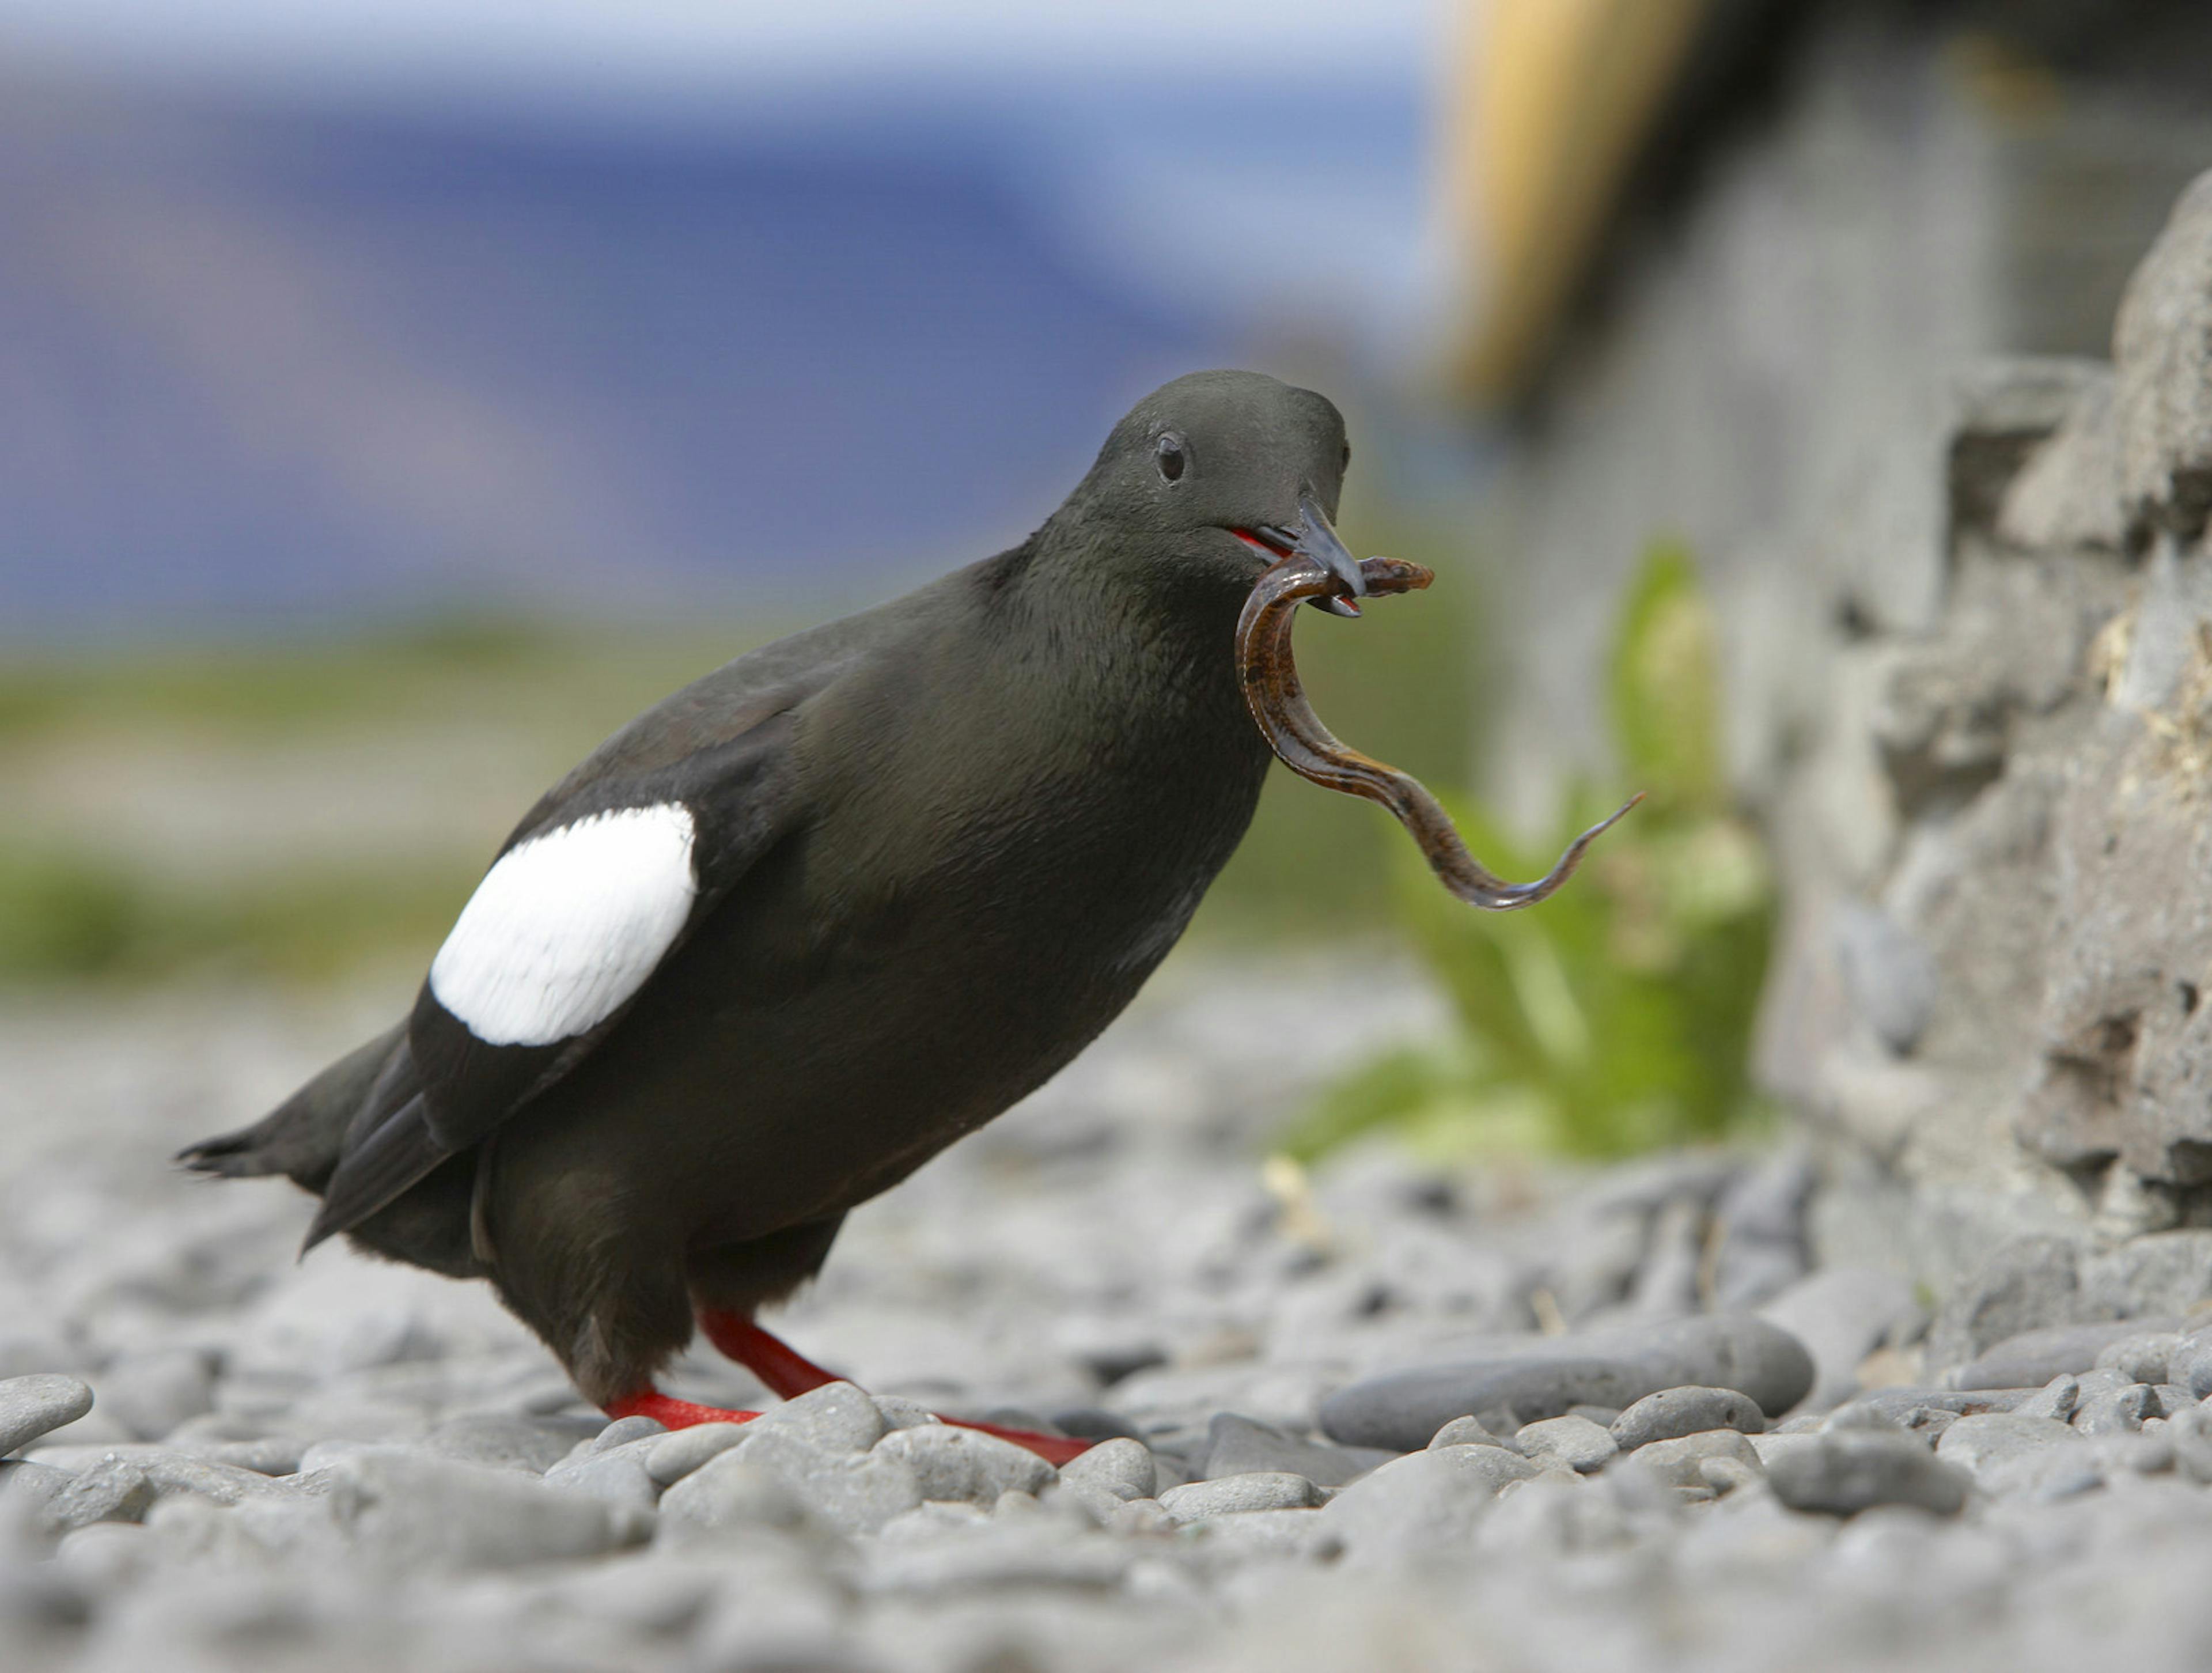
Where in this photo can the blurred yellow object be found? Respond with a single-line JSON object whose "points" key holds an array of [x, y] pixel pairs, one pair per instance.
{"points": [[1553, 98]]}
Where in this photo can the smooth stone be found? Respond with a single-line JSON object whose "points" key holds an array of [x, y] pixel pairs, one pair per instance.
{"points": [[622, 1431], [899, 1413], [838, 1489], [1924, 1409], [513, 1442], [32, 1484], [1545, 1378], [412, 1511], [1570, 1443], [1124, 1469], [32, 1406], [2191, 1366], [2057, 1399], [835, 1416], [2190, 1435], [118, 1490], [2117, 1411], [2143, 1358], [2004, 1450], [1231, 1495], [1841, 1314], [1469, 1431], [1422, 1507], [1718, 1460], [621, 1476], [675, 1454], [1672, 1413], [1850, 1471], [1240, 1445], [1760, 1225], [2030, 1359], [950, 1463], [152, 1394]]}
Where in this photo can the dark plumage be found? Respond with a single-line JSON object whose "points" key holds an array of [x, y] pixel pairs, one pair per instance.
{"points": [[852, 895]]}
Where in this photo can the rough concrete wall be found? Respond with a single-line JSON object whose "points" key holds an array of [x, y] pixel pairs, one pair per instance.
{"points": [[2004, 1018]]}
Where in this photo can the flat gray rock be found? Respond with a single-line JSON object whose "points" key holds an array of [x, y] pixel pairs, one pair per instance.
{"points": [[837, 1415], [1239, 1445], [1843, 1473], [1547, 1376], [842, 1491], [677, 1454], [2004, 1450], [1124, 1469], [1569, 1443], [1672, 1413], [1424, 1506], [407, 1511], [1841, 1314], [966, 1465], [1231, 1495], [1718, 1460], [32, 1406], [2032, 1358]]}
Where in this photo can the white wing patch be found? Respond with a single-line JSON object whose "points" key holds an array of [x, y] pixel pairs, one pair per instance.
{"points": [[567, 926]]}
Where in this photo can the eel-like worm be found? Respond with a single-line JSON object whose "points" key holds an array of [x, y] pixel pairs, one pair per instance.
{"points": [[1269, 678]]}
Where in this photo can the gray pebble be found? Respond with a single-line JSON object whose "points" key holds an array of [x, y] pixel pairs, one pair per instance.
{"points": [[2143, 1358], [118, 1490], [1716, 1461], [1570, 1443], [950, 1463], [1841, 1314], [673, 1455], [1124, 1469], [2030, 1359], [2191, 1366], [901, 1414], [621, 1476], [836, 1416], [1420, 1507], [1844, 1472], [2057, 1399], [2113, 1411], [1672, 1413], [409, 1510], [2004, 1450], [842, 1490], [622, 1431], [1239, 1445], [1468, 1431], [1547, 1377], [1229, 1495], [534, 1444], [32, 1406]]}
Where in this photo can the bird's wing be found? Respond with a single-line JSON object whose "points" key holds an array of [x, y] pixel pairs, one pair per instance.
{"points": [[597, 885]]}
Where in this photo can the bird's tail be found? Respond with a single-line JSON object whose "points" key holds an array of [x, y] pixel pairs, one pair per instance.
{"points": [[302, 1137]]}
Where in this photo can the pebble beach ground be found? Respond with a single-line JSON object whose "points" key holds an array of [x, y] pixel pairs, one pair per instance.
{"points": [[1385, 1416]]}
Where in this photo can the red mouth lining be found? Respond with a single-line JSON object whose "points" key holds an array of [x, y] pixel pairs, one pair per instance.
{"points": [[1260, 542]]}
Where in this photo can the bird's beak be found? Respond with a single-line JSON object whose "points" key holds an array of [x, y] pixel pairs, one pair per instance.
{"points": [[1314, 539]]}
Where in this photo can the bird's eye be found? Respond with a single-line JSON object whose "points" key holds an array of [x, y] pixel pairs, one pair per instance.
{"points": [[1345, 463], [1171, 456]]}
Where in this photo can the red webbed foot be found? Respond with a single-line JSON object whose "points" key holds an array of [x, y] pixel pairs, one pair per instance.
{"points": [[789, 1373]]}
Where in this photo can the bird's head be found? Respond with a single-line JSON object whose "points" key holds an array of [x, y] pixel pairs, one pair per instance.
{"points": [[1217, 474]]}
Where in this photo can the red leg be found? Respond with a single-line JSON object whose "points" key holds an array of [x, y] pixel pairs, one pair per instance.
{"points": [[675, 1413], [789, 1374]]}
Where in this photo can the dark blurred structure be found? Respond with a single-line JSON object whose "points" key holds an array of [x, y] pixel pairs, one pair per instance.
{"points": [[1737, 255]]}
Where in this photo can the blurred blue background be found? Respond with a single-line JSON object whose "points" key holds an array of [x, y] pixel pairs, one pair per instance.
{"points": [[314, 312]]}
